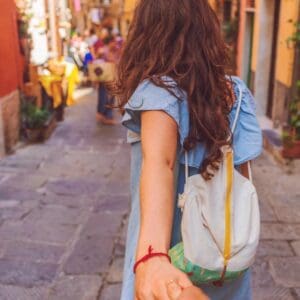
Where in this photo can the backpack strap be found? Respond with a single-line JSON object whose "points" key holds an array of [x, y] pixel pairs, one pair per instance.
{"points": [[238, 110], [233, 127], [234, 124], [186, 160]]}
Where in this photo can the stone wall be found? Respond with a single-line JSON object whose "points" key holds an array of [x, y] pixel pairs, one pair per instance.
{"points": [[10, 109], [281, 98], [280, 110]]}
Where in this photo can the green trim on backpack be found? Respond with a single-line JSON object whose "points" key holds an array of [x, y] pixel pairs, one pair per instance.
{"points": [[197, 274]]}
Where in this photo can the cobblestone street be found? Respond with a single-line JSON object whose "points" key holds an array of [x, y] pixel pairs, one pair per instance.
{"points": [[63, 211]]}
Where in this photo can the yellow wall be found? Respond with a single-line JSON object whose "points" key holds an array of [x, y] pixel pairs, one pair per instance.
{"points": [[255, 38], [285, 54], [129, 6]]}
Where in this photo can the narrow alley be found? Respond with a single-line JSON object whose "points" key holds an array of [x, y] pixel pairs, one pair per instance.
{"points": [[63, 211]]}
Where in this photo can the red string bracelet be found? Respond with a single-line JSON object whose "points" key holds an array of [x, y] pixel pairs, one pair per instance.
{"points": [[150, 254]]}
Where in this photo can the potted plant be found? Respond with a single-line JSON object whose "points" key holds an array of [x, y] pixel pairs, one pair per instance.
{"points": [[23, 31], [291, 132], [38, 122]]}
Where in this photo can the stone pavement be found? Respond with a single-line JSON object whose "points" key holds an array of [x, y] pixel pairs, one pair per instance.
{"points": [[276, 273], [64, 206]]}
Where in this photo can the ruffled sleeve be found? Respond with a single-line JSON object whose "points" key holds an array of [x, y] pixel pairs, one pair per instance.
{"points": [[148, 97], [247, 138], [247, 141]]}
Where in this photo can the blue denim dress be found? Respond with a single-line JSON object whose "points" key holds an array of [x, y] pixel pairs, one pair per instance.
{"points": [[247, 144]]}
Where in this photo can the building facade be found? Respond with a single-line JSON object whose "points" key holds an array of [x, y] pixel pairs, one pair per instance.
{"points": [[266, 60], [127, 15], [11, 72], [264, 57]]}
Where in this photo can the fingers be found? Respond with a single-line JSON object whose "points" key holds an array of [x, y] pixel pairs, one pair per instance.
{"points": [[160, 281], [174, 290], [184, 281], [145, 296], [163, 295], [165, 291]]}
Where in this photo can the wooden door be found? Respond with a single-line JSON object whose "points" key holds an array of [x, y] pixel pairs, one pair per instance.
{"points": [[273, 59]]}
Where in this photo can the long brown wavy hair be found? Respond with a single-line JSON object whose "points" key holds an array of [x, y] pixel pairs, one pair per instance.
{"points": [[181, 39]]}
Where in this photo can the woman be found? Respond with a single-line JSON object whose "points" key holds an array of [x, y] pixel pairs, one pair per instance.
{"points": [[172, 85], [106, 61]]}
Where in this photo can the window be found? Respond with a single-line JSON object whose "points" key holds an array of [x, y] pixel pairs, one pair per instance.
{"points": [[250, 3], [227, 10]]}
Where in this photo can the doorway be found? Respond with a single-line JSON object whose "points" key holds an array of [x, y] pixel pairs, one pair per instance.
{"points": [[273, 58], [268, 16], [248, 45]]}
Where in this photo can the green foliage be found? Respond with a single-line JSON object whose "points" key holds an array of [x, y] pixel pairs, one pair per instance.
{"points": [[230, 30], [295, 37], [23, 29], [23, 24], [34, 117], [295, 114], [293, 132]]}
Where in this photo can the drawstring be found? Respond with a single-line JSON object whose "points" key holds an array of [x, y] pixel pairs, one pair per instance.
{"points": [[186, 166], [249, 171]]}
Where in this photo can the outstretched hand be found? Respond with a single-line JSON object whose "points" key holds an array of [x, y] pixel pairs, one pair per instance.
{"points": [[158, 279]]}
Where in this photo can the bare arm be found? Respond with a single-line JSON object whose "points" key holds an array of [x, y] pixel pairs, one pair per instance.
{"points": [[159, 136], [159, 143]]}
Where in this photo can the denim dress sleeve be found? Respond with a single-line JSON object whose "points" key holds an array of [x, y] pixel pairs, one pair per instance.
{"points": [[247, 138], [148, 97]]}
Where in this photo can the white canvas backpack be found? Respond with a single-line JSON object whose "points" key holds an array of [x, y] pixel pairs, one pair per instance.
{"points": [[220, 222]]}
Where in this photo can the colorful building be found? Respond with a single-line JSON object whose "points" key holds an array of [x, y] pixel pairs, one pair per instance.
{"points": [[31, 31], [127, 15], [266, 60], [11, 72]]}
